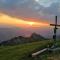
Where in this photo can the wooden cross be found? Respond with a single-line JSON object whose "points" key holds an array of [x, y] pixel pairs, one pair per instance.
{"points": [[55, 29]]}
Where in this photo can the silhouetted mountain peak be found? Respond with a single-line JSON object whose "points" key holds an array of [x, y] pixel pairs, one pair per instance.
{"points": [[36, 36], [20, 39]]}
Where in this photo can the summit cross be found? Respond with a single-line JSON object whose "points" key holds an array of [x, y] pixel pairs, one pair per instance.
{"points": [[55, 29]]}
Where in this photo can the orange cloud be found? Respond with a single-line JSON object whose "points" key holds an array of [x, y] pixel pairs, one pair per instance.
{"points": [[5, 19]]}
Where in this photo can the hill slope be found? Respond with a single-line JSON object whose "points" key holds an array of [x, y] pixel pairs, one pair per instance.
{"points": [[24, 51], [21, 52]]}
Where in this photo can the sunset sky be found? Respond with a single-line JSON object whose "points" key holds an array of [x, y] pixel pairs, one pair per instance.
{"points": [[13, 21], [29, 15]]}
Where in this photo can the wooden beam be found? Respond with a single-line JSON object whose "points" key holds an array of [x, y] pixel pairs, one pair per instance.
{"points": [[54, 25], [39, 52]]}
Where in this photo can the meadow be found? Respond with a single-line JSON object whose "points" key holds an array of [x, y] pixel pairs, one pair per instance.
{"points": [[24, 51]]}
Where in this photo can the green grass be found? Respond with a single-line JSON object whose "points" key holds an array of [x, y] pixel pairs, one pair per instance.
{"points": [[23, 51], [50, 56]]}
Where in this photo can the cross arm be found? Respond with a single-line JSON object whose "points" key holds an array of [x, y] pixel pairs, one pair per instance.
{"points": [[54, 25]]}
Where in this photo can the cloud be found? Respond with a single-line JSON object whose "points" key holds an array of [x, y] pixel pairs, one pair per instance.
{"points": [[19, 8], [31, 8], [46, 3], [49, 12]]}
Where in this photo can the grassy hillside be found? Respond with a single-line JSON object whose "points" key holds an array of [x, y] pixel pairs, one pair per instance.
{"points": [[22, 52]]}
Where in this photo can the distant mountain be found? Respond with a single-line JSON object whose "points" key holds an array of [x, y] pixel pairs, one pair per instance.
{"points": [[7, 33], [20, 39], [35, 36]]}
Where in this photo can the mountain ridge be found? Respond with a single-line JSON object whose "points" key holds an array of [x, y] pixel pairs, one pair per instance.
{"points": [[20, 39]]}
